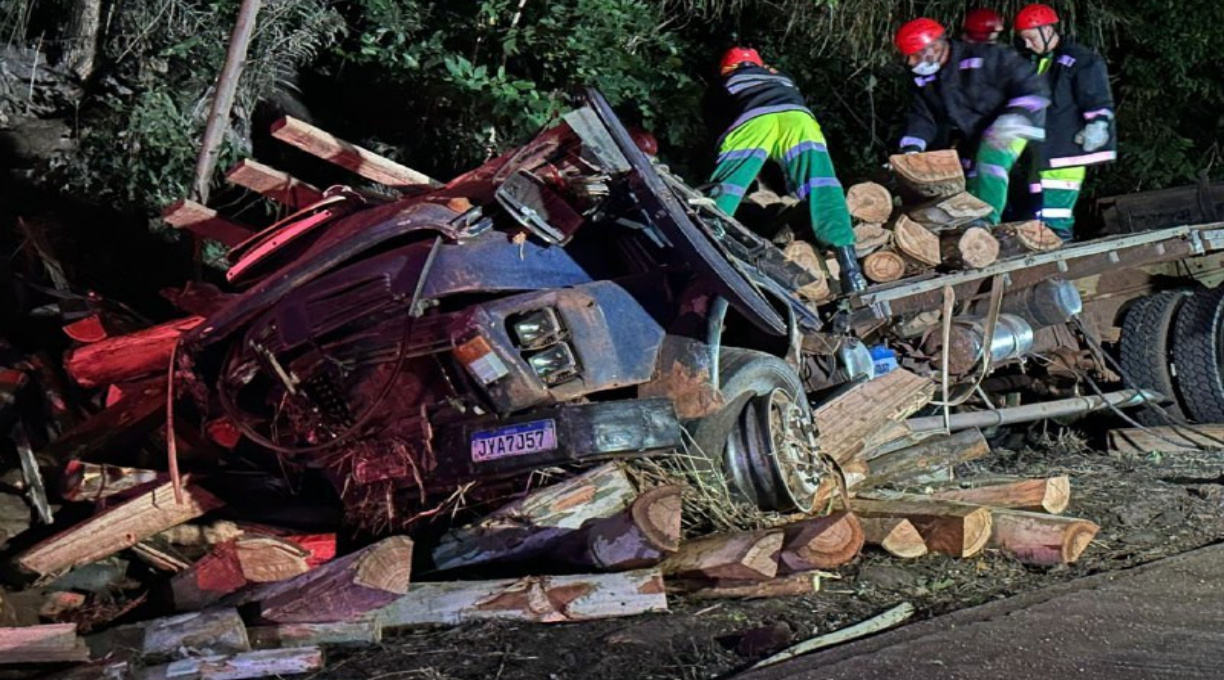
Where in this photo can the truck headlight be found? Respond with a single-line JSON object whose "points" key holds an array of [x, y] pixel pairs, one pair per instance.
{"points": [[536, 329], [555, 364]]}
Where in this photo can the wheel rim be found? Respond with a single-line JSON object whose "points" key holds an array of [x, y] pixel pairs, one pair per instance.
{"points": [[771, 453]]}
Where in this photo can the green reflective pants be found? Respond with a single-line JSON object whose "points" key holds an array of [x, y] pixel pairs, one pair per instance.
{"points": [[1060, 189], [988, 180], [794, 139]]}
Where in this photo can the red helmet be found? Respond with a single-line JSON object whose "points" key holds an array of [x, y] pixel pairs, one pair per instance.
{"points": [[739, 55], [982, 23], [644, 141], [1034, 16], [916, 35]]}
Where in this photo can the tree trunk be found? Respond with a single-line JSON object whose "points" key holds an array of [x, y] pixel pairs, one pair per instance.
{"points": [[870, 237], [820, 543], [54, 643], [265, 663], [950, 212], [869, 202], [1034, 538], [931, 174], [884, 266], [1022, 238], [343, 634], [803, 583], [1051, 495], [804, 255], [973, 248], [641, 535], [895, 535], [234, 565], [916, 242], [127, 357], [748, 556], [917, 463], [84, 29], [948, 528]]}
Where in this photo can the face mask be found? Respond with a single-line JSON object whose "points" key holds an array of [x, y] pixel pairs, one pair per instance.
{"points": [[926, 68]]}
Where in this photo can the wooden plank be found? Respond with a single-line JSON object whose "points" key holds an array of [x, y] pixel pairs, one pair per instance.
{"points": [[947, 527], [896, 535], [339, 634], [53, 643], [205, 223], [1169, 439], [347, 155], [258, 664], [931, 458], [847, 421], [542, 599], [273, 184], [1052, 494], [1036, 538], [118, 527], [744, 556], [537, 521], [820, 543], [340, 590], [128, 357]]}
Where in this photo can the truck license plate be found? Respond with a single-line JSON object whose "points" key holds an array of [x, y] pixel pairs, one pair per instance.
{"points": [[515, 440]]}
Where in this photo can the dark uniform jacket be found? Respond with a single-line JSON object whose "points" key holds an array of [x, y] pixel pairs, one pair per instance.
{"points": [[748, 92], [1079, 84], [979, 83]]}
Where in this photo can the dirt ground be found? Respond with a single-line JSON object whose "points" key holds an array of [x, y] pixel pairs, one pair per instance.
{"points": [[1148, 506]]}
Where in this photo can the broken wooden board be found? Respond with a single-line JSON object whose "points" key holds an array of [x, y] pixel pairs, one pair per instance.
{"points": [[950, 212], [542, 599], [896, 535], [347, 155], [1051, 494], [931, 174], [927, 462], [536, 522], [119, 527], [848, 420], [743, 556], [341, 590], [339, 634], [234, 565], [947, 527], [265, 663], [869, 202], [1169, 439], [1040, 539], [128, 357], [205, 222], [273, 184], [52, 643], [820, 543]]}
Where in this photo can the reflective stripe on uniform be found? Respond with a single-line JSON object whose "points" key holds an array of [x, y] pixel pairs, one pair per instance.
{"points": [[914, 141], [996, 170], [1089, 159], [1068, 185], [816, 183], [739, 154], [1035, 187], [729, 190], [801, 148], [1056, 213]]}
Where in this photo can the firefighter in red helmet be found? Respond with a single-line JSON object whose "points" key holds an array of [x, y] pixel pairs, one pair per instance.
{"points": [[1080, 129], [982, 25], [761, 115], [983, 99]]}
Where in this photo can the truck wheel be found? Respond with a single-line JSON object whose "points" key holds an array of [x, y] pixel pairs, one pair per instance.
{"points": [[761, 441], [1197, 345], [1146, 353]]}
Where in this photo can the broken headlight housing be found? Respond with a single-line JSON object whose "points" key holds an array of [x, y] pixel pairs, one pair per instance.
{"points": [[554, 364]]}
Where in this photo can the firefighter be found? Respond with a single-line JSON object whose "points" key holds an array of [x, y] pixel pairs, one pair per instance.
{"points": [[981, 98], [982, 25], [1080, 127], [761, 115]]}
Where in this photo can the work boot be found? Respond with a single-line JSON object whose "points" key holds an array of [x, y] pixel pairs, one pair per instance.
{"points": [[851, 277]]}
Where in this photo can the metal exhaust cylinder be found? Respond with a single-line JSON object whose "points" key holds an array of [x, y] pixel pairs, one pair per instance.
{"points": [[1013, 340], [1049, 303]]}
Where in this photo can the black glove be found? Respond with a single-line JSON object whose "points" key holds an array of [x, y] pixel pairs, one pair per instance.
{"points": [[911, 148]]}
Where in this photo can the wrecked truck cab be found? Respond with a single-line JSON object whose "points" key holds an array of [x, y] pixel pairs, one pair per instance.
{"points": [[563, 303]]}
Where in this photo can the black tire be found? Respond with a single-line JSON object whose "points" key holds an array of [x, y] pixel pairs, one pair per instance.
{"points": [[1146, 352], [746, 377], [1197, 345]]}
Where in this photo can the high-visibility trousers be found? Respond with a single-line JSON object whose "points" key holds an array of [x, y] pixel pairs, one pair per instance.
{"points": [[990, 175], [793, 139], [1060, 190]]}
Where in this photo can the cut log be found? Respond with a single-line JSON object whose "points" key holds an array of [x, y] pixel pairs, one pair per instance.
{"points": [[870, 237], [92, 481], [947, 527], [931, 174], [973, 248], [202, 535], [542, 599], [883, 266], [343, 634], [1035, 538], [265, 663], [804, 255], [869, 202], [54, 643], [15, 516], [216, 631], [349, 156], [950, 212], [639, 536], [90, 329], [930, 458], [340, 590], [803, 583], [820, 543], [130, 417], [127, 357], [847, 421], [1052, 494], [1021, 238], [896, 535], [748, 556], [119, 527], [916, 242], [535, 523], [1174, 439], [273, 184], [234, 565], [205, 223]]}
